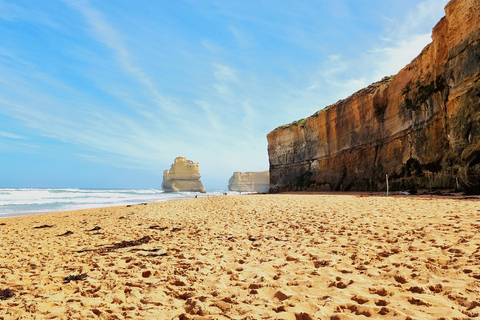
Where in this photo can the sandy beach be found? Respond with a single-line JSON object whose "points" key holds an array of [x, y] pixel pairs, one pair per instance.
{"points": [[284, 256]]}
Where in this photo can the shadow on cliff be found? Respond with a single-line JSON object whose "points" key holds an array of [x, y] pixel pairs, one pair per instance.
{"points": [[470, 184]]}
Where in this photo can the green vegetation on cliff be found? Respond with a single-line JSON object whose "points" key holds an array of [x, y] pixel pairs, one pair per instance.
{"points": [[300, 122]]}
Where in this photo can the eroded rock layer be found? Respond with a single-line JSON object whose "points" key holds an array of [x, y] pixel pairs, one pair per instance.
{"points": [[421, 126], [183, 175], [249, 181]]}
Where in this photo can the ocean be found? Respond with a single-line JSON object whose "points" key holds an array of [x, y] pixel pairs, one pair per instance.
{"points": [[25, 201]]}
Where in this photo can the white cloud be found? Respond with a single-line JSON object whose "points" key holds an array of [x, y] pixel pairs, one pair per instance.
{"points": [[9, 135], [114, 135], [212, 46], [341, 74], [335, 79], [11, 11], [334, 65], [405, 39], [106, 34], [242, 39], [426, 12], [212, 117], [391, 59], [228, 89], [225, 73]]}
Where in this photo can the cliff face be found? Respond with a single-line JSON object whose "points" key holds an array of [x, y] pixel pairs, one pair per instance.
{"points": [[421, 127], [183, 175], [249, 181]]}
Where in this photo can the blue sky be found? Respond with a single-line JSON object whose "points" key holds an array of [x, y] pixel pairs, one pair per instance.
{"points": [[107, 93]]}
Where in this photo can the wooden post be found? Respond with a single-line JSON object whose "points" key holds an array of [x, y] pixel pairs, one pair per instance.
{"points": [[429, 180], [386, 176]]}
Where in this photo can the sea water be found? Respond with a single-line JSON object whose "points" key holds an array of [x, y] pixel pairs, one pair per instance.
{"points": [[24, 201]]}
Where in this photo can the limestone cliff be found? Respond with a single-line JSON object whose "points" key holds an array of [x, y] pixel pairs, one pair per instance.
{"points": [[421, 126], [182, 176], [249, 181]]}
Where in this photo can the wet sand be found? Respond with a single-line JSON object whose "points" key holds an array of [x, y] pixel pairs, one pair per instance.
{"points": [[286, 256]]}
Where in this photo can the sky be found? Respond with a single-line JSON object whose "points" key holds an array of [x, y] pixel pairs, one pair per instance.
{"points": [[106, 94]]}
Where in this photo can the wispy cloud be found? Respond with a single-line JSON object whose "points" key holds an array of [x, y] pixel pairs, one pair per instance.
{"points": [[49, 107], [212, 117], [135, 85], [242, 38], [13, 10], [113, 135], [425, 12], [403, 42], [9, 135], [225, 73], [397, 46], [393, 57], [106, 34]]}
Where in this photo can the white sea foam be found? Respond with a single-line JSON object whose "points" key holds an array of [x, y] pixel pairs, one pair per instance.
{"points": [[21, 201]]}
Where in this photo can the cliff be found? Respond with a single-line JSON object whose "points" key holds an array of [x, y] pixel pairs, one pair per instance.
{"points": [[183, 175], [249, 181], [421, 126]]}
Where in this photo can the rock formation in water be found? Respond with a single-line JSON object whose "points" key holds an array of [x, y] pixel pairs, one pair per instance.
{"points": [[421, 126], [182, 176], [249, 181]]}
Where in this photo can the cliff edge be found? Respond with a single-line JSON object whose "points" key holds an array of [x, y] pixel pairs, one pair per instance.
{"points": [[183, 175], [421, 126]]}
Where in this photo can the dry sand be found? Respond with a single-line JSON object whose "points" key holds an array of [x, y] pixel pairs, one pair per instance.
{"points": [[246, 257]]}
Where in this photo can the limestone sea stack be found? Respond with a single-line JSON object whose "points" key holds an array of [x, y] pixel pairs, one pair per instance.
{"points": [[420, 127], [183, 175], [249, 181]]}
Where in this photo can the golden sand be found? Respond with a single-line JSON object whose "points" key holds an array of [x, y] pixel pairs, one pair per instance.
{"points": [[246, 257]]}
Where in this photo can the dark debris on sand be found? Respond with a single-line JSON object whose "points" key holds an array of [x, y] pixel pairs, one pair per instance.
{"points": [[158, 228], [43, 227], [95, 229], [65, 234], [154, 255], [119, 245], [81, 276], [146, 250], [6, 293]]}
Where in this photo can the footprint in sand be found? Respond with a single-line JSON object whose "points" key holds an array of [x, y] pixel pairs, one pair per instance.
{"points": [[380, 291], [359, 299], [340, 284]]}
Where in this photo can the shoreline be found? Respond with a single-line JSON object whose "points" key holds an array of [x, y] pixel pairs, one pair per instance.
{"points": [[23, 201], [422, 195], [257, 256]]}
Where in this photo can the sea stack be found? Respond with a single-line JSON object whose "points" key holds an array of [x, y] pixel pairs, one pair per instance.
{"points": [[183, 175], [420, 127], [250, 181]]}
